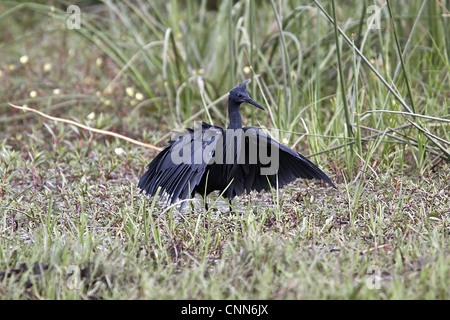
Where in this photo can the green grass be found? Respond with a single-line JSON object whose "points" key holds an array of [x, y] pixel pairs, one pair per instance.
{"points": [[372, 112]]}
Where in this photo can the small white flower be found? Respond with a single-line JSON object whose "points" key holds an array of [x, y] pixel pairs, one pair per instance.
{"points": [[47, 66], [130, 92], [285, 141], [139, 96], [24, 59], [33, 94], [57, 91], [119, 151], [91, 116]]}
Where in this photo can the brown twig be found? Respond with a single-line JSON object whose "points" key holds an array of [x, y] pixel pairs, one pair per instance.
{"points": [[82, 126]]}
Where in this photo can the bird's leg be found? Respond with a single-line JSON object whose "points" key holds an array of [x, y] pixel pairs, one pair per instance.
{"points": [[205, 203], [229, 206]]}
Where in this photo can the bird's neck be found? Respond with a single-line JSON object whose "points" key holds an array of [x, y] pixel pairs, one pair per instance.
{"points": [[235, 116]]}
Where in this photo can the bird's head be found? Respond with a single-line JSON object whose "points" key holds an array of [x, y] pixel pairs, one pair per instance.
{"points": [[239, 95]]}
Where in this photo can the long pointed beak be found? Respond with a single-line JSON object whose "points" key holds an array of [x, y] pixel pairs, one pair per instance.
{"points": [[253, 102]]}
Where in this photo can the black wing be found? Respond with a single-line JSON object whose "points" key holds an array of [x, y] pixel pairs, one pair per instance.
{"points": [[180, 166], [271, 160]]}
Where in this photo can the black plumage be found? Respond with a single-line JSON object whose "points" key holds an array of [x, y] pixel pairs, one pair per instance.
{"points": [[209, 158]]}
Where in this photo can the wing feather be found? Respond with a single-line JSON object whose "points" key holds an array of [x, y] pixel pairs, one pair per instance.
{"points": [[178, 180], [290, 165]]}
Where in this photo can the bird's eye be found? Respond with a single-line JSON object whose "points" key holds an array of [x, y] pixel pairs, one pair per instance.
{"points": [[239, 95]]}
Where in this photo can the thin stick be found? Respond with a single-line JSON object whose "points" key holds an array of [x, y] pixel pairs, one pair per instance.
{"points": [[82, 126]]}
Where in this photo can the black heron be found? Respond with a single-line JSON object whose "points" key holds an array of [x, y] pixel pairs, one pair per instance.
{"points": [[209, 158]]}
